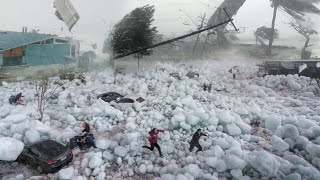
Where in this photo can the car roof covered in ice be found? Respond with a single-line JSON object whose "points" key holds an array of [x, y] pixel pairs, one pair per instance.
{"points": [[133, 96]]}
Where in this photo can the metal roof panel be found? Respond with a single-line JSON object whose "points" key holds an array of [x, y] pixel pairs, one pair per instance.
{"points": [[10, 39]]}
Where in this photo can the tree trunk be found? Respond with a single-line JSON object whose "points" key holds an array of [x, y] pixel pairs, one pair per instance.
{"points": [[275, 8], [304, 54]]}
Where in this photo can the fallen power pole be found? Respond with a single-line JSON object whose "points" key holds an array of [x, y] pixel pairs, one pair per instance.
{"points": [[176, 39]]}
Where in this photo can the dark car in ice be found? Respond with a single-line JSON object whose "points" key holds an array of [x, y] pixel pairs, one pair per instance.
{"points": [[132, 100], [110, 96], [46, 156]]}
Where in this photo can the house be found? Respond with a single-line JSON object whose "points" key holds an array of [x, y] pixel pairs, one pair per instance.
{"points": [[34, 49]]}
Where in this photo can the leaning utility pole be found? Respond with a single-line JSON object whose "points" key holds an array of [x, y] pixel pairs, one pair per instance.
{"points": [[201, 25], [177, 38]]}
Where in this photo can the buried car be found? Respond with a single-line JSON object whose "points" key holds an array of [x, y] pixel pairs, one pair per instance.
{"points": [[133, 101], [110, 96], [46, 156]]}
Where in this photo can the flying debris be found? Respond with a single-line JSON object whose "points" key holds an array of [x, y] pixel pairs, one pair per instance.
{"points": [[66, 12], [302, 67]]}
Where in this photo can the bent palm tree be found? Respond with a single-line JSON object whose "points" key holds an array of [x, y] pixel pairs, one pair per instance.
{"points": [[295, 8], [218, 16]]}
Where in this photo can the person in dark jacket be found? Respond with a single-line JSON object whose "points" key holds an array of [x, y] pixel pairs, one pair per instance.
{"points": [[17, 99], [86, 128], [154, 140], [195, 140], [85, 132]]}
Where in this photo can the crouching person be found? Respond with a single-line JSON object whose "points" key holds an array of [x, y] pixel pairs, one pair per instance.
{"points": [[195, 141]]}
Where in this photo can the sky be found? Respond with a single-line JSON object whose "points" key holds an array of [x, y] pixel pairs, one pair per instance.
{"points": [[98, 16]]}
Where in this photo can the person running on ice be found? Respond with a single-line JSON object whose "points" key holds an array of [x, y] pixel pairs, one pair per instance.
{"points": [[195, 140], [154, 140]]}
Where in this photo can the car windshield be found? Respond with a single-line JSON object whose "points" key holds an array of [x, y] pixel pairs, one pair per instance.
{"points": [[49, 149], [126, 100]]}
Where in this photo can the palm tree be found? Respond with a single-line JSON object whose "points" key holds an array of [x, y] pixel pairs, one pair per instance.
{"points": [[232, 7], [306, 31], [264, 33], [295, 8]]}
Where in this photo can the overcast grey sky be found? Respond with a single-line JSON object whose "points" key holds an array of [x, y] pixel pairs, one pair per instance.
{"points": [[98, 16]]}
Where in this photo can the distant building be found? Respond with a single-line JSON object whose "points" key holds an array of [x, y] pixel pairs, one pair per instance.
{"points": [[34, 49]]}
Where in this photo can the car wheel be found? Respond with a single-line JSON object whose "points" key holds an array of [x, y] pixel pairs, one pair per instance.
{"points": [[40, 170]]}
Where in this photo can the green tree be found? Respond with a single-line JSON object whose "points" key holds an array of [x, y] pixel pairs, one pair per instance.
{"points": [[296, 8], [133, 32]]}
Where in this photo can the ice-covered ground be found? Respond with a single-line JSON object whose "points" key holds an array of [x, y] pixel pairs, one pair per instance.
{"points": [[257, 127]]}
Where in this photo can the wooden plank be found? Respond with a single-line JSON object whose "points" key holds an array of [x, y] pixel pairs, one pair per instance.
{"points": [[16, 52]]}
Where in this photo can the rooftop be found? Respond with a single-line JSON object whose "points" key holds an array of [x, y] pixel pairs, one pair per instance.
{"points": [[10, 39]]}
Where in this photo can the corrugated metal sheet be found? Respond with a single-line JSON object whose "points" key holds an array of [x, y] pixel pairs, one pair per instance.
{"points": [[66, 12], [47, 54], [10, 39], [1, 60]]}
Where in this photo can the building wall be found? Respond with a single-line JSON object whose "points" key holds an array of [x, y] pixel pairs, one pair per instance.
{"points": [[1, 59], [37, 54]]}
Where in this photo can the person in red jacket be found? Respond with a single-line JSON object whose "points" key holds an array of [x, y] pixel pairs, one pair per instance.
{"points": [[154, 140]]}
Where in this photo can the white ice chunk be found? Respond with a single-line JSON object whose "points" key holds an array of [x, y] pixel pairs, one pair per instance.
{"points": [[224, 117], [287, 131], [313, 149], [293, 176], [32, 136], [19, 177], [293, 84], [236, 173], [66, 173], [103, 143], [181, 177], [84, 162], [95, 161], [70, 119], [120, 151], [15, 118], [306, 123], [168, 177], [273, 122], [313, 132], [177, 119], [212, 121], [101, 176], [273, 81], [142, 168], [212, 161], [233, 129], [194, 170], [193, 120], [263, 162], [291, 120], [10, 149], [222, 143], [245, 128], [221, 166], [278, 144], [234, 162]]}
